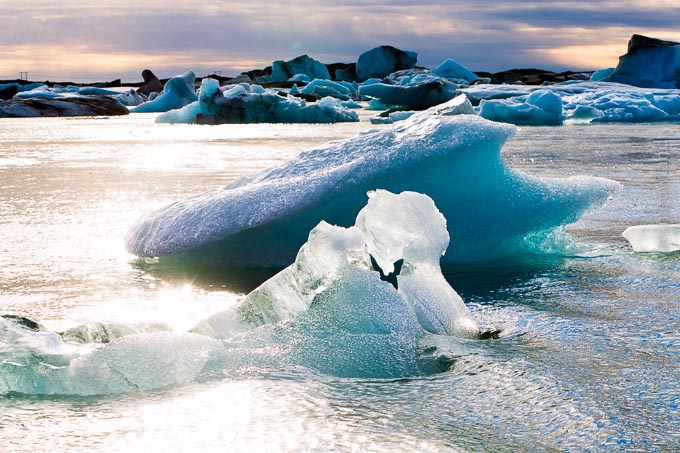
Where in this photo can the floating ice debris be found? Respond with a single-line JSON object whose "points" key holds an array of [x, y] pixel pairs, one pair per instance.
{"points": [[262, 220], [460, 105], [245, 105], [411, 90], [177, 92], [540, 108], [361, 301], [654, 238], [614, 101]]}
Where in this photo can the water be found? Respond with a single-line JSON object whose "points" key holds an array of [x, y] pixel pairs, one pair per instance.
{"points": [[588, 359]]}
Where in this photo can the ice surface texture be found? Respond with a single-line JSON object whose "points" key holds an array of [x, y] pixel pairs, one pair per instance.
{"points": [[654, 238], [262, 220]]}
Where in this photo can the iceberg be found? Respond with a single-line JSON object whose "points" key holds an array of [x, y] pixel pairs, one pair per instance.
{"points": [[654, 238], [596, 101], [177, 92], [460, 105], [304, 64], [262, 220], [451, 69], [61, 106], [649, 63], [540, 108], [250, 105], [381, 61], [411, 90]]}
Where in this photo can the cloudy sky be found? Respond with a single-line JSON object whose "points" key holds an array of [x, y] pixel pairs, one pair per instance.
{"points": [[108, 39]]}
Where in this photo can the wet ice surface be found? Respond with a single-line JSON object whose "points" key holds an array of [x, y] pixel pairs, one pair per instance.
{"points": [[587, 360]]}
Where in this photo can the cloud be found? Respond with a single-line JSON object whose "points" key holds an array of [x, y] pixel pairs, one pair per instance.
{"points": [[83, 38]]}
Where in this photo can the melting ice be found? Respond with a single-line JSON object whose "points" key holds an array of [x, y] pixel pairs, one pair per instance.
{"points": [[329, 311], [262, 220]]}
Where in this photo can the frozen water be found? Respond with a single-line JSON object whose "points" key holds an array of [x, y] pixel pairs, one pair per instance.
{"points": [[262, 220], [614, 101], [302, 65], [177, 92], [541, 107], [655, 66], [654, 238], [451, 69], [252, 104], [411, 89], [460, 105]]}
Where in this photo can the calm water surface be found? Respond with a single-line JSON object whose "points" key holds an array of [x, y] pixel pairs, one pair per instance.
{"points": [[588, 359]]}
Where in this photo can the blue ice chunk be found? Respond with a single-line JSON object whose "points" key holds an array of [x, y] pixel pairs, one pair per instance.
{"points": [[451, 69], [262, 220], [177, 92], [242, 104], [541, 107]]}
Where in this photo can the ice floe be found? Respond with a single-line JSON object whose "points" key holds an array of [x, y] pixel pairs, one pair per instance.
{"points": [[654, 238]]}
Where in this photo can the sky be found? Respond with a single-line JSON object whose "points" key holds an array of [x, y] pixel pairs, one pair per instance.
{"points": [[100, 40]]}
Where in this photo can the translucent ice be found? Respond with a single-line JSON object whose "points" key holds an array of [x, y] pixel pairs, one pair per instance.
{"points": [[262, 220], [451, 69], [654, 238], [177, 92]]}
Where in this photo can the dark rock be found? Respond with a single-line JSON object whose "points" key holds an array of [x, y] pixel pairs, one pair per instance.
{"points": [[112, 84], [382, 61], [76, 106], [151, 83]]}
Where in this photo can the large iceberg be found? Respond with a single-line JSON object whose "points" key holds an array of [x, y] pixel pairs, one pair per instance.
{"points": [[262, 220], [243, 104], [654, 238], [177, 92], [650, 63]]}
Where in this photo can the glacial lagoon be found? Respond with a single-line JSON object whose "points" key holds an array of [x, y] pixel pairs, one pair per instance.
{"points": [[586, 357]]}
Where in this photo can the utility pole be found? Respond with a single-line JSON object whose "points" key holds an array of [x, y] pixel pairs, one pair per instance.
{"points": [[23, 75]]}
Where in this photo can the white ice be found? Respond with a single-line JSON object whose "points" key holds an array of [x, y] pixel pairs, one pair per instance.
{"points": [[654, 238], [540, 108]]}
